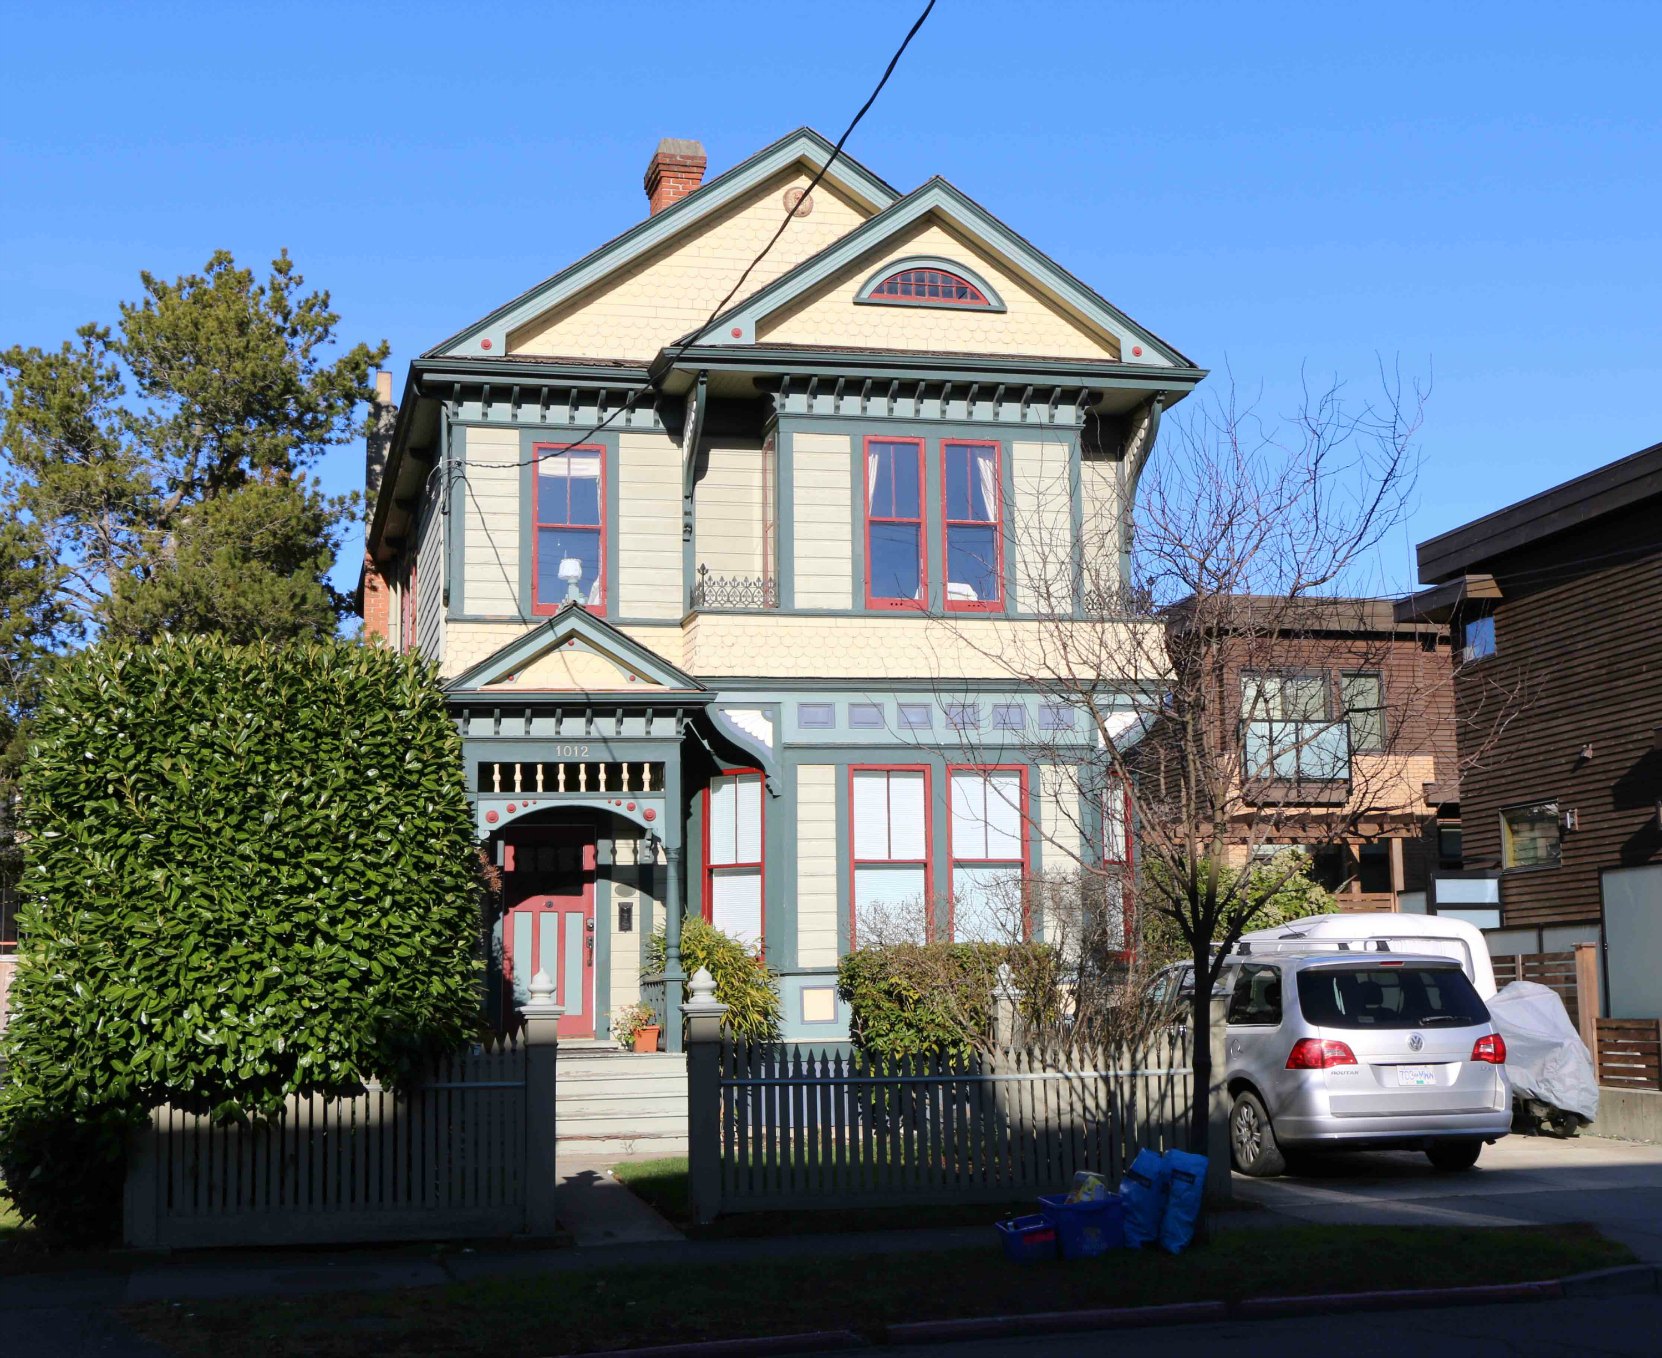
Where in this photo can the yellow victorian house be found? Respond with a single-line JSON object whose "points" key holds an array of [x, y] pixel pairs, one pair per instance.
{"points": [[726, 604]]}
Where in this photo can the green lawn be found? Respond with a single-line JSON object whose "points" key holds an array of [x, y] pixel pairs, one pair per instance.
{"points": [[616, 1308], [663, 1184]]}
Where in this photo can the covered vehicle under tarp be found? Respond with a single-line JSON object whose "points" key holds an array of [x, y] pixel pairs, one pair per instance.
{"points": [[1546, 1060]]}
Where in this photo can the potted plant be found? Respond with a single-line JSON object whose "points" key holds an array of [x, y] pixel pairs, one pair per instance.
{"points": [[637, 1028]]}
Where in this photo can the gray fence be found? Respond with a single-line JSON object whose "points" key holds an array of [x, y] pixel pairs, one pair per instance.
{"points": [[468, 1152], [774, 1129]]}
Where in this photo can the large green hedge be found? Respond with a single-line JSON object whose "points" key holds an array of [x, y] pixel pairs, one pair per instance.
{"points": [[249, 871]]}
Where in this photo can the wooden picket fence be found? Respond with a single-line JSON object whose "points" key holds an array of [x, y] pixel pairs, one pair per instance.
{"points": [[1630, 1053], [450, 1157], [816, 1128], [1555, 970]]}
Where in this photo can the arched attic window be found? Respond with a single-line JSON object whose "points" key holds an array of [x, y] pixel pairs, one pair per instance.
{"points": [[928, 282]]}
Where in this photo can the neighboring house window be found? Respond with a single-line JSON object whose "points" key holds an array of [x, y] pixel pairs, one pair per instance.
{"points": [[989, 859], [890, 815], [407, 608], [1284, 697], [895, 575], [1286, 736], [1477, 637], [1363, 696], [970, 516], [733, 856], [570, 525], [1529, 836], [935, 286]]}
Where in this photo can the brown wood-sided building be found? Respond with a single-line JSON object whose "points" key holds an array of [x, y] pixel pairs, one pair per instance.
{"points": [[1556, 605], [1345, 722]]}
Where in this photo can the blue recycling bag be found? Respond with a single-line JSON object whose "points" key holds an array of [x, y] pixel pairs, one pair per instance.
{"points": [[1186, 1186], [1143, 1195]]}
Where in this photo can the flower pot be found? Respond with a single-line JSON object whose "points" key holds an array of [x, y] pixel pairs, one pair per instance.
{"points": [[646, 1038]]}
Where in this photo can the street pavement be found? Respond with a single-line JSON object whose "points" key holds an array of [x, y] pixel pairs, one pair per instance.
{"points": [[1616, 1185]]}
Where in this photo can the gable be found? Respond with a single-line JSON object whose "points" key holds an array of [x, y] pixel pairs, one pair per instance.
{"points": [[572, 666], [1024, 321], [800, 153], [573, 651], [1049, 305], [644, 306]]}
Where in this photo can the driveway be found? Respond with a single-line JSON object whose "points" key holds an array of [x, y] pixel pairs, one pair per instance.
{"points": [[1616, 1185]]}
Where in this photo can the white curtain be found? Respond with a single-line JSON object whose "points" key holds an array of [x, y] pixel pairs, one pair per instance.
{"points": [[986, 905], [736, 904], [986, 466]]}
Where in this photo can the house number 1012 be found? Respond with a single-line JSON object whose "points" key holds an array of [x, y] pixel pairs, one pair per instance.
{"points": [[571, 751]]}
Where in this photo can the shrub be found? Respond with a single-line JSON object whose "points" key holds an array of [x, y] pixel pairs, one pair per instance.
{"points": [[743, 982], [1280, 890], [249, 871], [912, 999]]}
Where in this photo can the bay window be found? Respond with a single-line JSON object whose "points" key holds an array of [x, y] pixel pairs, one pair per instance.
{"points": [[569, 526], [889, 812], [734, 895], [895, 575], [970, 521], [989, 857]]}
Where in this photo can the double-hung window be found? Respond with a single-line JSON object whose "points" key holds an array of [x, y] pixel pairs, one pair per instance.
{"points": [[970, 521], [1116, 862], [989, 859], [890, 813], [733, 857], [569, 533], [895, 575]]}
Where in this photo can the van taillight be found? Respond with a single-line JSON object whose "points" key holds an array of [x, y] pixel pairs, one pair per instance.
{"points": [[1314, 1053], [1491, 1049]]}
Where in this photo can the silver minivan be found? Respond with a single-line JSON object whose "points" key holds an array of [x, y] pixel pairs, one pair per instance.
{"points": [[1351, 1051]]}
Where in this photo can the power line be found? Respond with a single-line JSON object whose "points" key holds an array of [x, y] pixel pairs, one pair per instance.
{"points": [[680, 347]]}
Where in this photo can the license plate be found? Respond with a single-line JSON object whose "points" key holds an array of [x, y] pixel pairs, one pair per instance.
{"points": [[1416, 1075]]}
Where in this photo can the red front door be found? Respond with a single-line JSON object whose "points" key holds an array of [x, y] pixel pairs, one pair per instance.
{"points": [[548, 881]]}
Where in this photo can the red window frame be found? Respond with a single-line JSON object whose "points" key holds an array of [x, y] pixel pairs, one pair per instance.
{"points": [[926, 276], [996, 523], [922, 602], [952, 859], [407, 607], [540, 606], [710, 869], [855, 862]]}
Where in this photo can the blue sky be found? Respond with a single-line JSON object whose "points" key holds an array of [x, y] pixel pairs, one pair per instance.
{"points": [[1472, 190]]}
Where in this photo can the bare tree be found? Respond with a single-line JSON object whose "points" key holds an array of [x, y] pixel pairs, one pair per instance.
{"points": [[1190, 665]]}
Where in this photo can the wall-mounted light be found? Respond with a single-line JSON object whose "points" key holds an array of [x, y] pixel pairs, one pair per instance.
{"points": [[1569, 819], [649, 848], [1586, 752]]}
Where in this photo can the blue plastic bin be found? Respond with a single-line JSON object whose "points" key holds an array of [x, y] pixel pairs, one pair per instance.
{"points": [[1027, 1239], [1086, 1229]]}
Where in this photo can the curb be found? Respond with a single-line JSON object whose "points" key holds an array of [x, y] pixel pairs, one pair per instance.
{"points": [[1054, 1322], [1418, 1298], [813, 1341], [1623, 1280]]}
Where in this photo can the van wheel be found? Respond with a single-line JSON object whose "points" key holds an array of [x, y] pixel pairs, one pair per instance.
{"points": [[1252, 1140], [1453, 1156]]}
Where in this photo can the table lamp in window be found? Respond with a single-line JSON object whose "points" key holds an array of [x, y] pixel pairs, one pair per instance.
{"points": [[571, 571]]}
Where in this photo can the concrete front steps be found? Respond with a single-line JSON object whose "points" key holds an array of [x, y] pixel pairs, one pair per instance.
{"points": [[613, 1102]]}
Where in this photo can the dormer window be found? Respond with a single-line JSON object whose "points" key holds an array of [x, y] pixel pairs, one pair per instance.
{"points": [[931, 283]]}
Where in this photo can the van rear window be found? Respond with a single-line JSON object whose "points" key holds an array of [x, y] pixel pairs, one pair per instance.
{"points": [[1389, 997]]}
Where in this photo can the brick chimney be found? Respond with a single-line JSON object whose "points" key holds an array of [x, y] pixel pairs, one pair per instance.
{"points": [[677, 168]]}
